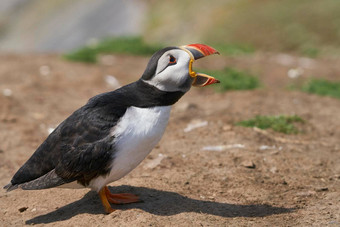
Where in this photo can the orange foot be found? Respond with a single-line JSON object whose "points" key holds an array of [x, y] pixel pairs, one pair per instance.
{"points": [[107, 197]]}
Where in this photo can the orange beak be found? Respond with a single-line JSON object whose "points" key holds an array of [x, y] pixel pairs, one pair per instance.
{"points": [[197, 51]]}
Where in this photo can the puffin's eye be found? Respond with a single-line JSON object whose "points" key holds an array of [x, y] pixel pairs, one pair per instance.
{"points": [[172, 60]]}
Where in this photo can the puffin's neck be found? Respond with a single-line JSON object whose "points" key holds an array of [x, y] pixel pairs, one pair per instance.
{"points": [[146, 95], [138, 94]]}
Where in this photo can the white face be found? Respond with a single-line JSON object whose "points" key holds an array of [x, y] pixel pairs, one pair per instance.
{"points": [[172, 73]]}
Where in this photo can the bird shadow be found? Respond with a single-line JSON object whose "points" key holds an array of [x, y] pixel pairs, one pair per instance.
{"points": [[157, 202]]}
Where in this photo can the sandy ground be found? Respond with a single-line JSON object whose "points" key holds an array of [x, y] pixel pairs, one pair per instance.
{"points": [[255, 178]]}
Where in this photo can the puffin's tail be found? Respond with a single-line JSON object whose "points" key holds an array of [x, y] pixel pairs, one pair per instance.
{"points": [[49, 180], [10, 187]]}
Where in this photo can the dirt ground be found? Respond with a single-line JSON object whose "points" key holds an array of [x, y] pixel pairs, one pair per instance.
{"points": [[215, 175]]}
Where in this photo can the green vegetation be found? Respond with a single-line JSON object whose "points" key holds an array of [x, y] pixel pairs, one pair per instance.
{"points": [[305, 27], [122, 45], [283, 124], [85, 54], [311, 52], [322, 87], [233, 79]]}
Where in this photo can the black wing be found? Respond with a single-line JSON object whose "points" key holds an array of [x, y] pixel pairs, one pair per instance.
{"points": [[80, 148]]}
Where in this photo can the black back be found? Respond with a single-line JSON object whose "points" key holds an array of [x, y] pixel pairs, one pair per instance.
{"points": [[81, 147]]}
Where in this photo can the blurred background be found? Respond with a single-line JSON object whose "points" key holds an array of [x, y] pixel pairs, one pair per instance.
{"points": [[310, 28], [60, 25]]}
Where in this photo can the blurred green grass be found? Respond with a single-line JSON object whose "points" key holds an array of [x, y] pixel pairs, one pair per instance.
{"points": [[305, 27], [283, 124], [322, 87], [233, 79], [120, 45]]}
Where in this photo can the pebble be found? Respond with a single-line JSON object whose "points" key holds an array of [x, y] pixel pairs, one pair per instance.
{"points": [[227, 127], [22, 209], [266, 147], [321, 189], [195, 124], [44, 70], [273, 169], [295, 73], [248, 164], [222, 147], [112, 81], [7, 92]]}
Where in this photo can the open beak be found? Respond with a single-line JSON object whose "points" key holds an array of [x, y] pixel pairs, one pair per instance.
{"points": [[197, 51]]}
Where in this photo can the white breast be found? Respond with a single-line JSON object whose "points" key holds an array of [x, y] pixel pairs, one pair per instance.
{"points": [[136, 134]]}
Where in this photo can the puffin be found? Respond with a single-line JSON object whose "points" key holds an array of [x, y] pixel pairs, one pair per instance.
{"points": [[113, 132]]}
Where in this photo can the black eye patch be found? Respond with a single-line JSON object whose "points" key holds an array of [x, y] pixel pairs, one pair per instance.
{"points": [[172, 60], [150, 70]]}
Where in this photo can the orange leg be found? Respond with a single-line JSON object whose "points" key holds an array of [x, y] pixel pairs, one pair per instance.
{"points": [[105, 202], [121, 198], [107, 197]]}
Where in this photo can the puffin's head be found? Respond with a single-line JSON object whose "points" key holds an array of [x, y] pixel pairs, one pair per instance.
{"points": [[170, 69]]}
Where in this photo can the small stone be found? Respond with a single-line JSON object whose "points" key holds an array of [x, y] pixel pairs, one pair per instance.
{"points": [[22, 209], [227, 127], [321, 189], [273, 170], [295, 73], [7, 92], [222, 147], [266, 147], [248, 164], [112, 81], [196, 123], [44, 70]]}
